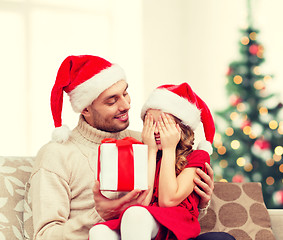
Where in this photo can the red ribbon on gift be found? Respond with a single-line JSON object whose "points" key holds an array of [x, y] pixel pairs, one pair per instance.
{"points": [[125, 161]]}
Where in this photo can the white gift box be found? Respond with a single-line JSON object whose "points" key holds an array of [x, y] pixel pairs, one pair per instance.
{"points": [[123, 167]]}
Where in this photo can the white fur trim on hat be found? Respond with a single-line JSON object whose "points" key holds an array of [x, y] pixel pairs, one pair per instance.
{"points": [[61, 134], [172, 103], [84, 94]]}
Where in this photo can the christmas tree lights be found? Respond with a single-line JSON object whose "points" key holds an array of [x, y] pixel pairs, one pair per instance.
{"points": [[249, 137]]}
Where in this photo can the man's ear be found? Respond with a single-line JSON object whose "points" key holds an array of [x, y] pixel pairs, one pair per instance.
{"points": [[86, 112]]}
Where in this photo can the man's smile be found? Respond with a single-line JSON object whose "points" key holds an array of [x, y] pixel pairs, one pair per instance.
{"points": [[123, 117]]}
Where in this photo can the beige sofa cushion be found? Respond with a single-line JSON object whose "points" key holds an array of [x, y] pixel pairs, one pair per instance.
{"points": [[14, 173], [239, 209]]}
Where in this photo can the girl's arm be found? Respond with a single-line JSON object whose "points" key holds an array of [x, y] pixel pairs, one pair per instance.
{"points": [[148, 139], [172, 190], [151, 175]]}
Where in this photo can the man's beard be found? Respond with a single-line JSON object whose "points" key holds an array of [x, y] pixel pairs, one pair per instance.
{"points": [[107, 125]]}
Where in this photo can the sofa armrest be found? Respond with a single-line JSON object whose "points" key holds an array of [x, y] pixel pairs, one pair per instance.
{"points": [[276, 217]]}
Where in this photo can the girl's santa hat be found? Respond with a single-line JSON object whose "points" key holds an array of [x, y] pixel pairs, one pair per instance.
{"points": [[183, 103], [83, 78]]}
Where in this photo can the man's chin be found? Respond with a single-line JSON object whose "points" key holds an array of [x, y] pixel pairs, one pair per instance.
{"points": [[126, 125], [119, 128]]}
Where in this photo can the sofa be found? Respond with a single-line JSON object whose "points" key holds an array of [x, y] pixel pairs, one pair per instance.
{"points": [[236, 208]]}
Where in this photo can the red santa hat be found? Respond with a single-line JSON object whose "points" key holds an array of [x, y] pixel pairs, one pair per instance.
{"points": [[183, 103], [83, 78]]}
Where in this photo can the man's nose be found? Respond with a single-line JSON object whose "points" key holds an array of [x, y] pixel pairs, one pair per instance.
{"points": [[125, 104]]}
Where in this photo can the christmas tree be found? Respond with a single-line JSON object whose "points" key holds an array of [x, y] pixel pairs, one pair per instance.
{"points": [[248, 141]]}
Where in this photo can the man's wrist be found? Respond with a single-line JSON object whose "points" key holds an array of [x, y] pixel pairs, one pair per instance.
{"points": [[205, 208]]}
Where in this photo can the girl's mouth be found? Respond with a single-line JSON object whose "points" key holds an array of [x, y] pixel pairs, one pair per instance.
{"points": [[157, 139]]}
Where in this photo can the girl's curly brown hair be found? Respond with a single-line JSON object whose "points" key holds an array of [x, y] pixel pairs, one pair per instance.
{"points": [[184, 147]]}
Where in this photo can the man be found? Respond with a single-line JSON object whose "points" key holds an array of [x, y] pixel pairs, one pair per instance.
{"points": [[66, 200]]}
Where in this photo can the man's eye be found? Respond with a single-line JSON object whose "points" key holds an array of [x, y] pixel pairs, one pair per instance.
{"points": [[125, 94], [110, 103]]}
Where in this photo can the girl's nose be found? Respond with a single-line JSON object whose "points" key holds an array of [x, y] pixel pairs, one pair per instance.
{"points": [[156, 130]]}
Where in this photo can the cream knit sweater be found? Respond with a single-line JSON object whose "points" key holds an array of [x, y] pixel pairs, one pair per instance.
{"points": [[62, 182]]}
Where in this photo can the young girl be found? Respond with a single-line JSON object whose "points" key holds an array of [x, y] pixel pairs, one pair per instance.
{"points": [[170, 211]]}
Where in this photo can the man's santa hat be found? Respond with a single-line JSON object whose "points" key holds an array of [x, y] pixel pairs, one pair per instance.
{"points": [[183, 103], [83, 78]]}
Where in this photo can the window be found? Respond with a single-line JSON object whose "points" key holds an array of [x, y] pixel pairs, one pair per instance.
{"points": [[36, 36]]}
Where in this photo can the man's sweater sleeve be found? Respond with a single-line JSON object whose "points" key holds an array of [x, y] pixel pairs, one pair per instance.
{"points": [[51, 208]]}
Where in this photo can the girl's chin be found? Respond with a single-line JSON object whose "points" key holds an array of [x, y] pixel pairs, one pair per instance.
{"points": [[159, 147]]}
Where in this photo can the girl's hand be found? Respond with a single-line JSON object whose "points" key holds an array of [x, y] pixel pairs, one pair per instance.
{"points": [[148, 132], [170, 132]]}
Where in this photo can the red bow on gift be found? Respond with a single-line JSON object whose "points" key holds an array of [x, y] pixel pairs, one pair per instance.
{"points": [[122, 142], [125, 161]]}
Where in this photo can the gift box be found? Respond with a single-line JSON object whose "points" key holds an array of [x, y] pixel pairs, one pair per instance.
{"points": [[122, 165]]}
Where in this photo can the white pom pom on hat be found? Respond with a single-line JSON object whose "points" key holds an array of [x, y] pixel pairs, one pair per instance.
{"points": [[83, 78], [182, 102], [206, 146], [61, 134]]}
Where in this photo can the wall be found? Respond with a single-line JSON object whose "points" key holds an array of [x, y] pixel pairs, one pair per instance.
{"points": [[194, 41], [155, 41]]}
